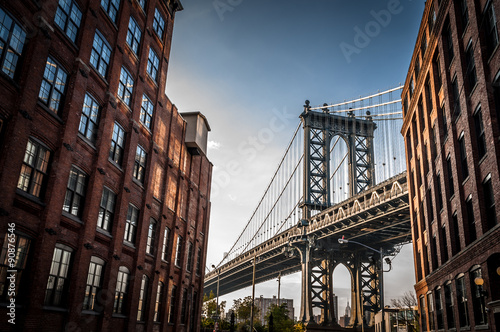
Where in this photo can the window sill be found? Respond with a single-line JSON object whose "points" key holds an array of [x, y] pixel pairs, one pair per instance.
{"points": [[50, 112], [112, 162], [87, 141], [129, 244], [118, 316], [483, 158], [153, 80], [138, 183], [465, 180], [493, 53], [127, 107], [72, 217], [91, 313], [52, 308], [104, 232], [32, 198], [473, 89], [482, 327], [99, 75], [10, 80]]}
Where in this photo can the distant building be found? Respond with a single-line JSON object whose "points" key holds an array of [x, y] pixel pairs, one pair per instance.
{"points": [[451, 110], [346, 318], [265, 303]]}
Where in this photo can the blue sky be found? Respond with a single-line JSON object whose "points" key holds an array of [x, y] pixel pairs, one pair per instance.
{"points": [[244, 62]]}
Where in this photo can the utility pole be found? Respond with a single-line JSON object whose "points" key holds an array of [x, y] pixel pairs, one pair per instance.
{"points": [[253, 295], [279, 286]]}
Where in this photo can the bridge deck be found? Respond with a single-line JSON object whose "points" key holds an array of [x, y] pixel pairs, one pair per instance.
{"points": [[378, 217]]}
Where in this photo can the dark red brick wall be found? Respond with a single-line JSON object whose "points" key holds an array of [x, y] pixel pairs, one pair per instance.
{"points": [[23, 116], [463, 253]]}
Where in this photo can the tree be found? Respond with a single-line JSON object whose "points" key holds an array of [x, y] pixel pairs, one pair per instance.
{"points": [[242, 308], [407, 302], [282, 323]]}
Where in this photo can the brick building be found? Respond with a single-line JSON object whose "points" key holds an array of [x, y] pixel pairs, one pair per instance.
{"points": [[105, 185], [451, 107]]}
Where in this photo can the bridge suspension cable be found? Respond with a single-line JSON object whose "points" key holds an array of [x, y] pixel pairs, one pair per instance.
{"points": [[278, 208]]}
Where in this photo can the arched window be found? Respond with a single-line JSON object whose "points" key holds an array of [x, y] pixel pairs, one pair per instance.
{"points": [[121, 290]]}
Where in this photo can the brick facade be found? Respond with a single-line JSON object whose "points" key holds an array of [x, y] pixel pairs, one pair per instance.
{"points": [[451, 107], [68, 58]]}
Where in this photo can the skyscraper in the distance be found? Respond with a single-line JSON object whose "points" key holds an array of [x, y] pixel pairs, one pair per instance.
{"points": [[451, 108], [105, 199]]}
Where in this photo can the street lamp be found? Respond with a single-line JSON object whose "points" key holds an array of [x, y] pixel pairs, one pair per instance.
{"points": [[217, 308], [253, 295], [388, 261]]}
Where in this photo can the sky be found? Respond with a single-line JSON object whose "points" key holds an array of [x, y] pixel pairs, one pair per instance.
{"points": [[246, 64]]}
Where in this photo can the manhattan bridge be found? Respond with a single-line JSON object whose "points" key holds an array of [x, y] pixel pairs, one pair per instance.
{"points": [[342, 176]]}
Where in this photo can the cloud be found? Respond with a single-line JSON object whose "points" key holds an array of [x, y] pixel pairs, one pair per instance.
{"points": [[213, 145]]}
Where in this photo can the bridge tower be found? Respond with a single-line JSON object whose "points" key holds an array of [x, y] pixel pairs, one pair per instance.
{"points": [[317, 285]]}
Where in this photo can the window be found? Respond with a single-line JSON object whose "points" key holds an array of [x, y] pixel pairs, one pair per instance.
{"points": [[456, 234], [417, 67], [184, 306], [431, 19], [423, 44], [449, 169], [489, 202], [166, 239], [75, 192], [198, 262], [153, 64], [448, 299], [159, 295], [439, 192], [412, 87], [464, 12], [142, 3], [12, 38], [423, 315], [117, 144], [178, 251], [133, 35], [131, 223], [430, 207], [445, 122], [478, 294], [456, 97], [146, 111], [434, 253], [421, 115], [463, 313], [140, 164], [53, 85], [449, 42], [463, 157], [173, 302], [189, 264], [20, 246], [150, 245], [437, 68], [444, 254], [472, 235], [111, 8], [471, 66], [143, 298], [490, 26], [89, 120], [34, 169], [430, 305], [121, 290], [479, 131], [101, 54], [159, 24], [57, 285], [68, 18], [106, 210], [125, 86], [439, 309], [157, 182], [94, 283], [434, 143], [405, 106]]}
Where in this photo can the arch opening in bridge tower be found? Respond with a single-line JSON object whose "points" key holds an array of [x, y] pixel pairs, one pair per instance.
{"points": [[342, 289], [339, 176]]}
